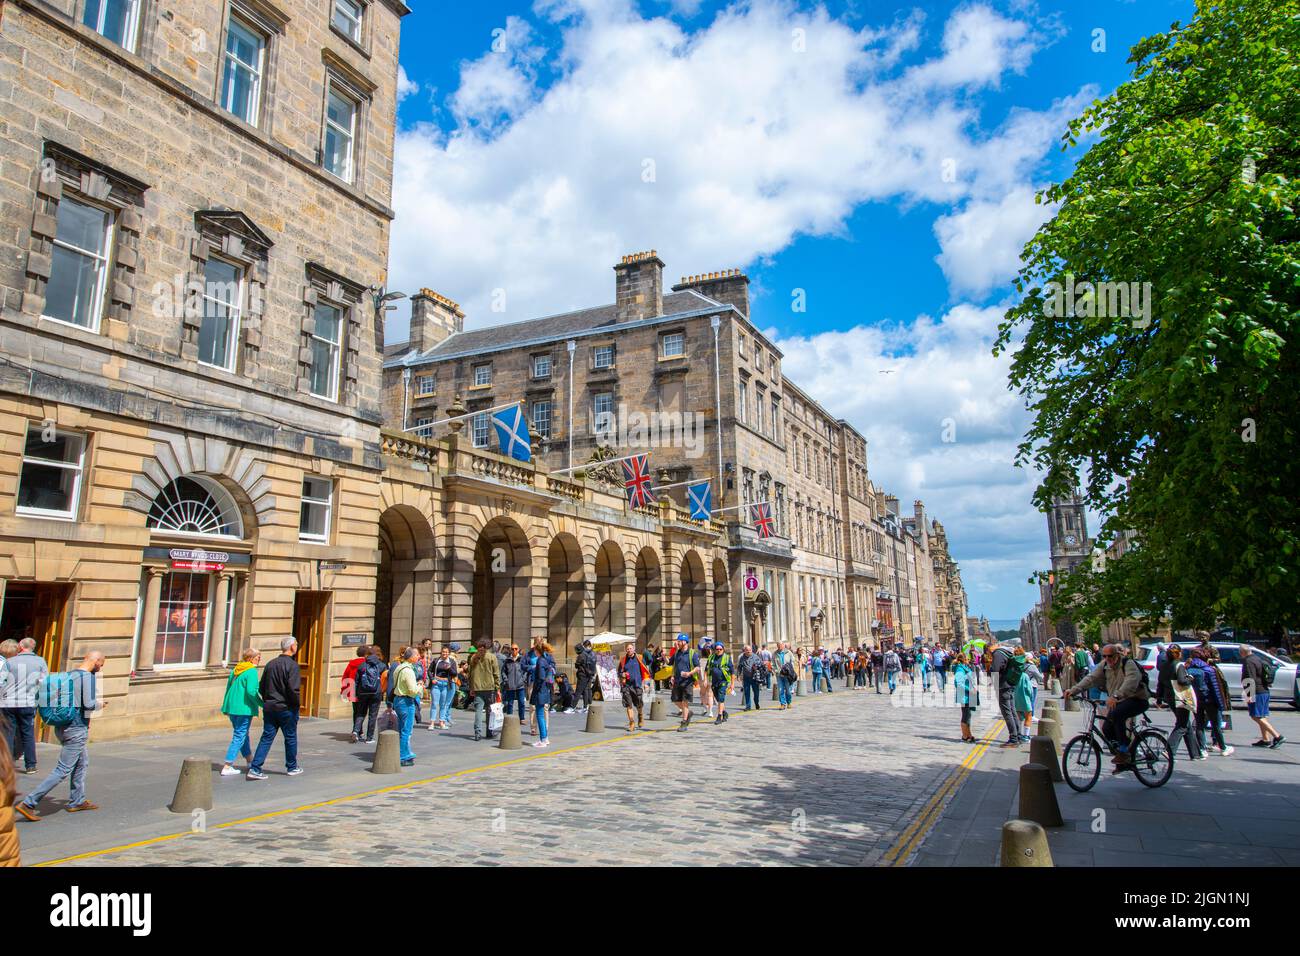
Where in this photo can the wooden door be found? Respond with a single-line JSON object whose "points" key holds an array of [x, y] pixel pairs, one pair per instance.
{"points": [[49, 615], [309, 631]]}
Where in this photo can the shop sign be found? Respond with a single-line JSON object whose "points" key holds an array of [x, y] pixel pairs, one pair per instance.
{"points": [[196, 559]]}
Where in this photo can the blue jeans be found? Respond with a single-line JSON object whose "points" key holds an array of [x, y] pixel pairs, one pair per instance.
{"points": [[405, 708], [509, 697], [483, 701], [541, 701], [444, 692], [73, 760], [783, 690], [829, 689], [273, 721], [816, 681], [20, 734], [943, 679], [751, 687], [892, 677], [239, 739]]}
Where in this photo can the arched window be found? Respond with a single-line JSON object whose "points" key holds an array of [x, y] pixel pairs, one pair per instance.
{"points": [[191, 505]]}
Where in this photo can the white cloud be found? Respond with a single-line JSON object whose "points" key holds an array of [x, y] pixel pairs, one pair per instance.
{"points": [[981, 244], [405, 85]]}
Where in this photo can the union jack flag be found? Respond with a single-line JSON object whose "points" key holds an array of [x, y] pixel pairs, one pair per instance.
{"points": [[636, 481], [763, 519]]}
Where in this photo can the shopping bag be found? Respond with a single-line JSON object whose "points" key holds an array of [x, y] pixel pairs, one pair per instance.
{"points": [[496, 716], [388, 720]]}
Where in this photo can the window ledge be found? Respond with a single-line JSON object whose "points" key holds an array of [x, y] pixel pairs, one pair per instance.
{"points": [[179, 675]]}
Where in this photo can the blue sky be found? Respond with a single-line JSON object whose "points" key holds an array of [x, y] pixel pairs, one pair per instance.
{"points": [[880, 157]]}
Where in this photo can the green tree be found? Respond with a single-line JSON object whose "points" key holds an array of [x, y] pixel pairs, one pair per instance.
{"points": [[1183, 418]]}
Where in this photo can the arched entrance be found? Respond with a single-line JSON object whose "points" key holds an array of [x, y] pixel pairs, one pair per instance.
{"points": [[564, 593], [694, 595], [757, 609], [404, 584], [721, 602], [649, 587], [611, 591], [502, 604]]}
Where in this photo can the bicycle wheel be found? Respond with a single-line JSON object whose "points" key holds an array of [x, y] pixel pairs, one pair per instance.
{"points": [[1153, 761], [1082, 763]]}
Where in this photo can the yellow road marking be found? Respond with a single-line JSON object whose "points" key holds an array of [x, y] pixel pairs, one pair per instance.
{"points": [[916, 831]]}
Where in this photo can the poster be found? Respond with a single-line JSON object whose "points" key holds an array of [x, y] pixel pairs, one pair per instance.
{"points": [[608, 648]]}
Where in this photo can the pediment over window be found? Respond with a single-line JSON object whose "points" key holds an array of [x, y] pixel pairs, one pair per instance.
{"points": [[240, 237]]}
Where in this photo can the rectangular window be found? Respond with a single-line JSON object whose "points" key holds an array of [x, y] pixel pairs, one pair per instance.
{"points": [[541, 366], [479, 429], [347, 19], [424, 385], [223, 296], [742, 405], [672, 344], [241, 80], [776, 419], [602, 356], [483, 374], [542, 419], [314, 513], [423, 429], [49, 485], [326, 349], [602, 409], [114, 20], [340, 133], [78, 264], [183, 606]]}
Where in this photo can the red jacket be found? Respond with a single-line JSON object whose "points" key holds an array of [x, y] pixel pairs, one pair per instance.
{"points": [[348, 687]]}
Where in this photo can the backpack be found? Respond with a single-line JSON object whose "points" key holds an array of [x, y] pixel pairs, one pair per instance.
{"points": [[1015, 670], [1145, 683], [369, 679], [60, 702]]}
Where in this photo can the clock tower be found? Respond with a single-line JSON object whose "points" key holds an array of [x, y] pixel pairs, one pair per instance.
{"points": [[1067, 531]]}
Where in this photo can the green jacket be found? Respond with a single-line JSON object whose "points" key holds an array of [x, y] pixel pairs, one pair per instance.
{"points": [[484, 673], [242, 698]]}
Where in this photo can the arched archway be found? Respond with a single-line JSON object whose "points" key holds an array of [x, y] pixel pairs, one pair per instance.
{"points": [[694, 593], [721, 602], [502, 600], [404, 583], [611, 592], [649, 588], [565, 589]]}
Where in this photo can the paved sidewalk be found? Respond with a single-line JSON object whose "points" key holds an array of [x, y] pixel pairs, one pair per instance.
{"points": [[1241, 810]]}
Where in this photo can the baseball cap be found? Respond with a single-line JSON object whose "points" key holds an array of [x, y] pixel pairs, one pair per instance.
{"points": [[683, 637]]}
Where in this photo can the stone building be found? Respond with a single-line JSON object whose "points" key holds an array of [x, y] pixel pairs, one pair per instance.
{"points": [[195, 208], [686, 375]]}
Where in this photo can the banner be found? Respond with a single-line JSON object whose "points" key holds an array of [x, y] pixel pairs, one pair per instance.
{"points": [[608, 649]]}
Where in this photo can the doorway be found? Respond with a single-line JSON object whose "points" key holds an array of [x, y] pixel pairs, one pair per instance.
{"points": [[309, 611], [40, 611]]}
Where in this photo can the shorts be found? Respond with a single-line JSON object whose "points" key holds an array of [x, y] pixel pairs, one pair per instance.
{"points": [[681, 692], [632, 697], [720, 692], [1259, 706], [965, 713]]}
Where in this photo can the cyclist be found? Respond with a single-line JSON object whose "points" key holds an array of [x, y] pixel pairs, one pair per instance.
{"points": [[1125, 683]]}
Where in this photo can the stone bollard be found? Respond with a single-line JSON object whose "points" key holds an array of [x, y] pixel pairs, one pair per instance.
{"points": [[1037, 798], [658, 710], [1055, 686], [388, 755], [1051, 728], [595, 719], [193, 786], [1042, 751], [1050, 712], [776, 690], [798, 687], [1024, 843], [1071, 705], [510, 734]]}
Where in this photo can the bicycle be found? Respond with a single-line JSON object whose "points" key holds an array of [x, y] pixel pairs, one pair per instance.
{"points": [[1153, 760]]}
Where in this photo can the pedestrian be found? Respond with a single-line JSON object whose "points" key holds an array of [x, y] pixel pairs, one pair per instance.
{"points": [[720, 678], [702, 678], [70, 699], [348, 682], [406, 695], [815, 664], [1126, 689], [281, 687], [563, 697], [514, 683], [10, 854], [878, 668], [445, 675], [786, 675], [1257, 684], [632, 675], [241, 704], [365, 709], [584, 676], [750, 665], [966, 691], [26, 670], [1209, 695], [542, 680], [765, 673], [684, 663], [485, 685], [893, 666], [1026, 693], [1177, 693], [1006, 670]]}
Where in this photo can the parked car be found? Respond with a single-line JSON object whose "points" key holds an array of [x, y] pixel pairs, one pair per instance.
{"points": [[1284, 682]]}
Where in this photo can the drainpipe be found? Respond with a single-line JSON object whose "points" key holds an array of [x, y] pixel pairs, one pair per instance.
{"points": [[572, 347], [406, 397]]}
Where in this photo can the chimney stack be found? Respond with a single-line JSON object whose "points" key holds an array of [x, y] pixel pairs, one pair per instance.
{"points": [[639, 286], [730, 286], [434, 318]]}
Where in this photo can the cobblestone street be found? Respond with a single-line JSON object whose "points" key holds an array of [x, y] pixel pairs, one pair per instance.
{"points": [[834, 781]]}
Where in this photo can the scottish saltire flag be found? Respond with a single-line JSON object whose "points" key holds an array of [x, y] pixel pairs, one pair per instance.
{"points": [[512, 433], [700, 498], [763, 519], [636, 481]]}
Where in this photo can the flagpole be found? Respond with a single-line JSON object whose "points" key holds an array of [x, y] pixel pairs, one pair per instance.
{"points": [[456, 418], [595, 464], [752, 504], [678, 484]]}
